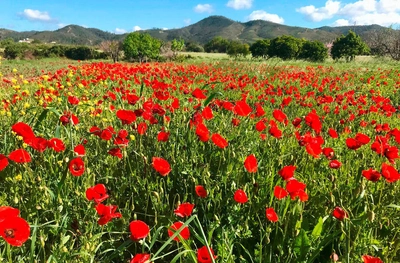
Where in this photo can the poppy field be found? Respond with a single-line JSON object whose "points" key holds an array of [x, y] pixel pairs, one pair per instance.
{"points": [[204, 162]]}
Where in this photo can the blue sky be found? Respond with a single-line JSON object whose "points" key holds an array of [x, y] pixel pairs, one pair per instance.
{"points": [[120, 16]]}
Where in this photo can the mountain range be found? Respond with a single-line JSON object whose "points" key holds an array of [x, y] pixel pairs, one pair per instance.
{"points": [[200, 32]]}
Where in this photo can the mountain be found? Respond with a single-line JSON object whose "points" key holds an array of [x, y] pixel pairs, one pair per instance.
{"points": [[200, 32]]}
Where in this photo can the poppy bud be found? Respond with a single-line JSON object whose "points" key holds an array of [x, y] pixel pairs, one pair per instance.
{"points": [[371, 216]]}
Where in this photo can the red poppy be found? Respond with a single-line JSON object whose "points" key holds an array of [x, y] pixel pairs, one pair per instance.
{"points": [[203, 256], [116, 152], [219, 141], [73, 100], [106, 213], [98, 193], [296, 122], [141, 258], [8, 211], [314, 149], [296, 189], [3, 162], [106, 134], [20, 156], [79, 150], [390, 173], [333, 133], [241, 108], [353, 144], [240, 196], [260, 126], [77, 166], [201, 191], [15, 230], [163, 136], [132, 99], [339, 213], [280, 116], [275, 132], [328, 152], [142, 128], [287, 172], [370, 259], [280, 192], [207, 113], [202, 132], [38, 143], [139, 230], [69, 118], [184, 209], [391, 153], [95, 130], [235, 122], [251, 163], [312, 120], [371, 175], [271, 215], [126, 116], [184, 233], [335, 164], [56, 144], [23, 129], [161, 166], [198, 94], [362, 138]]}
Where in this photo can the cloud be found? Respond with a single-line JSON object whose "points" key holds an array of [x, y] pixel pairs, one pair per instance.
{"points": [[36, 15], [61, 25], [187, 21], [240, 4], [262, 15], [137, 28], [203, 8], [120, 31], [361, 12], [318, 14]]}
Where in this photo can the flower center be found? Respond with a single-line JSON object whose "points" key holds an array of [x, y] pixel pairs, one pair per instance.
{"points": [[9, 233]]}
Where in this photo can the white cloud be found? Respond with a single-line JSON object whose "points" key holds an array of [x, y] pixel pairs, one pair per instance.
{"points": [[318, 14], [341, 22], [187, 21], [361, 12], [36, 15], [120, 31], [61, 25], [262, 15], [203, 8], [137, 28], [240, 4]]}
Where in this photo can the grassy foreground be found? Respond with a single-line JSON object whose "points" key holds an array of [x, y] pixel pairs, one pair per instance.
{"points": [[167, 162]]}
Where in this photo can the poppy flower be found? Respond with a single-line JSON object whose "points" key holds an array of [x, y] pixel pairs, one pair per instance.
{"points": [[203, 256], [20, 156], [280, 116], [198, 94], [38, 143], [362, 138], [371, 175], [314, 149], [240, 196], [69, 118], [73, 100], [15, 230], [202, 132], [23, 129], [79, 150], [271, 214], [260, 126], [95, 130], [56, 144], [106, 134], [390, 173], [371, 259], [296, 122], [3, 162], [139, 230], [141, 258], [391, 153], [98, 193], [77, 166], [184, 233], [184, 209], [200, 191], [219, 141], [106, 213], [116, 152], [251, 163], [126, 116], [275, 132], [335, 164], [161, 166], [313, 121], [241, 108], [207, 113], [339, 213], [333, 133], [280, 192], [296, 189], [142, 128], [328, 152], [132, 99], [8, 211], [163, 136], [287, 172]]}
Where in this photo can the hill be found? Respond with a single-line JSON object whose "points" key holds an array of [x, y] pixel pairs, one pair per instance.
{"points": [[200, 32]]}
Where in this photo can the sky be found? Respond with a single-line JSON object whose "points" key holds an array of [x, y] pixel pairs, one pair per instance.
{"points": [[122, 16]]}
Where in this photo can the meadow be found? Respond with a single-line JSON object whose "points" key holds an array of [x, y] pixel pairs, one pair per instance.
{"points": [[202, 161]]}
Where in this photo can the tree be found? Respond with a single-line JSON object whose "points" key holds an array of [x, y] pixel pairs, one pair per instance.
{"points": [[6, 42], [314, 51], [236, 49], [112, 49], [348, 47], [141, 46], [216, 45], [194, 47], [259, 49], [177, 45], [385, 42], [285, 47]]}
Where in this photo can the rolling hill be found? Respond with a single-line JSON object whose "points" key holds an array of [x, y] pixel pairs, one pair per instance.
{"points": [[200, 32]]}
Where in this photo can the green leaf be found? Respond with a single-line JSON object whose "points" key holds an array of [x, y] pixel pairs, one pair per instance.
{"points": [[302, 245], [316, 233], [393, 206], [211, 97]]}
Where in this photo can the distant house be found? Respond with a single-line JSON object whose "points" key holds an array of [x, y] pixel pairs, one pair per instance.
{"points": [[25, 40]]}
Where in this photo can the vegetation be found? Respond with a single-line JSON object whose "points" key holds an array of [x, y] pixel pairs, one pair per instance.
{"points": [[217, 45], [260, 48], [385, 43], [314, 51], [285, 47], [112, 48], [237, 49], [141, 46], [348, 47]]}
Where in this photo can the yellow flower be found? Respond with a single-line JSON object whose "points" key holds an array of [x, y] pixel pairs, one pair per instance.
{"points": [[24, 145], [132, 137], [18, 177], [9, 114], [15, 70]]}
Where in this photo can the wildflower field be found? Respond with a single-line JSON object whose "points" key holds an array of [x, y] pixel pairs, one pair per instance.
{"points": [[203, 162]]}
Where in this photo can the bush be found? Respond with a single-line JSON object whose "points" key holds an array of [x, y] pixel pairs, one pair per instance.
{"points": [[194, 47], [79, 53], [314, 51], [260, 48], [285, 47]]}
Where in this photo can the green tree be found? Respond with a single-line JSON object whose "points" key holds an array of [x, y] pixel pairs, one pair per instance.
{"points": [[259, 49], [141, 46], [194, 47], [5, 42], [314, 51], [237, 49], [217, 45], [285, 47], [348, 47], [177, 45]]}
